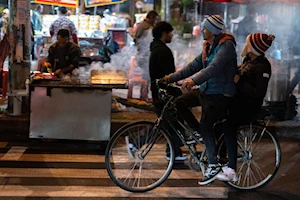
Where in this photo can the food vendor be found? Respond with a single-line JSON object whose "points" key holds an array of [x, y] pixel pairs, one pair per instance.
{"points": [[63, 55]]}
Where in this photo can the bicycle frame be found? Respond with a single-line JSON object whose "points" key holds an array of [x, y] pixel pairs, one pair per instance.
{"points": [[171, 123]]}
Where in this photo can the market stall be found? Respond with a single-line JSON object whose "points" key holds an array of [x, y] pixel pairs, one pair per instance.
{"points": [[73, 108]]}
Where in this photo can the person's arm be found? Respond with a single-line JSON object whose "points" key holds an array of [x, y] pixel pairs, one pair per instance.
{"points": [[74, 32], [220, 60], [39, 23], [257, 91], [161, 61], [51, 29], [74, 56], [50, 58], [195, 66], [139, 31]]}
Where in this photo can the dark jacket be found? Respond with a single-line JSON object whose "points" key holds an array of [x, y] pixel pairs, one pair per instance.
{"points": [[253, 84], [161, 63], [214, 70], [63, 58]]}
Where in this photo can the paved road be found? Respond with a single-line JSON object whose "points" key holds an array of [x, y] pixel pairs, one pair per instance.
{"points": [[68, 170]]}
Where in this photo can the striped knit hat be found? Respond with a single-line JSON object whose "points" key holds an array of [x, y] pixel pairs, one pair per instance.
{"points": [[259, 43], [214, 24]]}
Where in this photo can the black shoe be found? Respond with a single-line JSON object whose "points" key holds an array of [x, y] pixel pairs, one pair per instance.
{"points": [[211, 174], [192, 139]]}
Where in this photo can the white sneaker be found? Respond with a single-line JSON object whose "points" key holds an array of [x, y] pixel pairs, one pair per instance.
{"points": [[131, 149], [227, 174], [178, 158]]}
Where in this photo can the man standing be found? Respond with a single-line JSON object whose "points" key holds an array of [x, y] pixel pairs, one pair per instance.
{"points": [[63, 23], [143, 39], [63, 55], [162, 64], [214, 70], [36, 18], [4, 23], [4, 43]]}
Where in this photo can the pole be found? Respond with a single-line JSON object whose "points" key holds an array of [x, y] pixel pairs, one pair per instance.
{"points": [[20, 41], [196, 12], [167, 10], [225, 14], [200, 12]]}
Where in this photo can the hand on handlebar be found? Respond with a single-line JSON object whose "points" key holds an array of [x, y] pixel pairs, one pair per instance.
{"points": [[165, 80], [187, 85]]}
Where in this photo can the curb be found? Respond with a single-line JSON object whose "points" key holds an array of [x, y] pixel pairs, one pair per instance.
{"points": [[18, 127]]}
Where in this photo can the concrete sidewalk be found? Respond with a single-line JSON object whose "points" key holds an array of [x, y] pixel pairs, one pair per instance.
{"points": [[17, 127]]}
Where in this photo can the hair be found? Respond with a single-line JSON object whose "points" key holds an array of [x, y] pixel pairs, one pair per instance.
{"points": [[160, 28], [63, 33], [63, 10], [152, 14], [38, 7]]}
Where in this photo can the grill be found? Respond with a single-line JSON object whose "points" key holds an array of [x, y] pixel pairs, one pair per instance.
{"points": [[111, 77], [98, 79]]}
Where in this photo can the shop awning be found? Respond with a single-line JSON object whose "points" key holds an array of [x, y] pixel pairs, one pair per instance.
{"points": [[66, 3], [93, 3], [224, 1], [261, 1]]}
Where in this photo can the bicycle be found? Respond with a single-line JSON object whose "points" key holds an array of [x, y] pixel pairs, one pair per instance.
{"points": [[130, 171]]}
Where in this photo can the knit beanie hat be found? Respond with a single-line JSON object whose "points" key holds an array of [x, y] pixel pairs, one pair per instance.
{"points": [[214, 24], [258, 43]]}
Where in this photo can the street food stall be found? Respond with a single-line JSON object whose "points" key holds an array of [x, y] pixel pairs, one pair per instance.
{"points": [[94, 32], [73, 108]]}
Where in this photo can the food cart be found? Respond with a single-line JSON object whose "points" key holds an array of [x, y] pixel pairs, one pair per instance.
{"points": [[73, 108]]}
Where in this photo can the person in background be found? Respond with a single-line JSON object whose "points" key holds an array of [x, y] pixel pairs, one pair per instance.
{"points": [[64, 55], [63, 23], [161, 64], [142, 39], [147, 24], [4, 43], [252, 83], [36, 18], [4, 23], [214, 71]]}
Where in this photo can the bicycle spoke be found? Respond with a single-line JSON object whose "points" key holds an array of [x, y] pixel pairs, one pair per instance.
{"points": [[261, 135], [258, 170], [246, 178], [130, 173]]}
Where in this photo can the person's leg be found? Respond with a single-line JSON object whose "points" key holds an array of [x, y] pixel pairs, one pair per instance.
{"points": [[175, 139], [183, 104], [230, 128], [213, 108]]}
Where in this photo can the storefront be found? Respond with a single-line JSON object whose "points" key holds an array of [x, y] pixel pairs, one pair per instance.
{"points": [[92, 29]]}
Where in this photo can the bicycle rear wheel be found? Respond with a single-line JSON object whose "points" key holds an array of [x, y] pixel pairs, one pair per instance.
{"points": [[258, 159], [135, 156]]}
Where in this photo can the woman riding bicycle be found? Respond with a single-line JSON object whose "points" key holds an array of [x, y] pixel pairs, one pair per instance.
{"points": [[252, 83]]}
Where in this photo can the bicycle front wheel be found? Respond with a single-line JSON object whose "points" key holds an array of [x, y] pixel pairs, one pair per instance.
{"points": [[135, 156], [258, 157]]}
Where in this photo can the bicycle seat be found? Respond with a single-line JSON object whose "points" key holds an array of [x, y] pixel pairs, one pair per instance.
{"points": [[263, 112]]}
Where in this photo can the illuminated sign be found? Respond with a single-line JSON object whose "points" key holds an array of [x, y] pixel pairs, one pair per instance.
{"points": [[66, 3], [92, 3]]}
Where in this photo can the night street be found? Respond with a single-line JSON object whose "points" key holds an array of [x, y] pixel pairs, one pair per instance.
{"points": [[76, 170]]}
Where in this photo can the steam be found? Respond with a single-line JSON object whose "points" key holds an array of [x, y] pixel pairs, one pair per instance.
{"points": [[184, 51]]}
